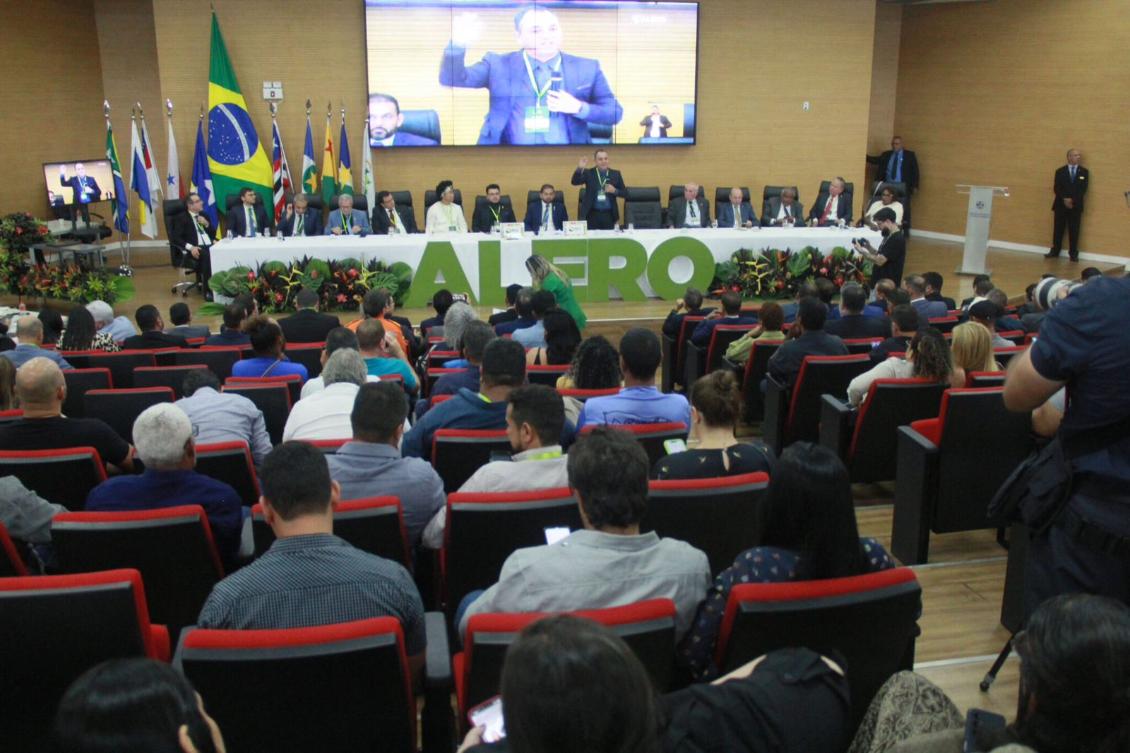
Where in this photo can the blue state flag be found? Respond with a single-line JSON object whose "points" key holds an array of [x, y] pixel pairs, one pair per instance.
{"points": [[202, 179]]}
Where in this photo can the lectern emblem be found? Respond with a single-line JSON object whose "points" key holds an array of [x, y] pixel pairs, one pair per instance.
{"points": [[980, 205]]}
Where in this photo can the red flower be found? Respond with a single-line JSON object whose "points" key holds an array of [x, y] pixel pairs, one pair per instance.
{"points": [[251, 277], [279, 298], [43, 230], [19, 230], [824, 271], [342, 298], [353, 274], [780, 284], [839, 282]]}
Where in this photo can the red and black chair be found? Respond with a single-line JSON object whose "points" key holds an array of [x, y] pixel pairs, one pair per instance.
{"points": [[648, 627], [944, 323], [119, 408], [172, 548], [271, 398], [8, 416], [432, 376], [307, 354], [866, 438], [437, 358], [793, 415], [64, 476], [219, 359], [984, 379], [1004, 355], [871, 620], [584, 395], [11, 561], [699, 360], [756, 368], [121, 364], [54, 628], [546, 374], [482, 530], [373, 524], [293, 383], [164, 376], [79, 381], [347, 686], [458, 453], [950, 467], [327, 446], [861, 345], [230, 462], [1015, 336], [720, 516], [679, 349], [651, 436]]}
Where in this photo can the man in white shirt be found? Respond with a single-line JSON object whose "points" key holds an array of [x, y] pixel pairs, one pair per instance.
{"points": [[834, 208], [783, 210], [535, 417], [326, 414], [689, 211]]}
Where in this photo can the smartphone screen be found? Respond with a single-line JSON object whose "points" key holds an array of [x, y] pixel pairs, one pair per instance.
{"points": [[488, 715], [671, 446], [553, 534]]}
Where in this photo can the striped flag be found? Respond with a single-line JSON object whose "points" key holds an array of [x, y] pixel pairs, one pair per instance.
{"points": [[329, 167], [119, 204], [283, 184], [309, 167], [202, 180], [368, 177], [152, 174], [139, 184], [344, 169], [173, 187]]}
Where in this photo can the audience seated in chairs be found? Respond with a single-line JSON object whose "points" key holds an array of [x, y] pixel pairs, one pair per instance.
{"points": [[927, 357], [586, 570], [503, 369], [325, 414], [986, 314], [441, 302], [712, 449], [524, 307], [370, 465], [972, 350], [29, 330], [915, 286], [81, 333], [117, 327], [336, 339], [52, 325], [378, 304], [982, 284], [41, 390], [384, 356], [771, 319], [595, 366], [810, 533], [806, 338], [475, 338], [561, 338], [731, 314], [222, 416], [307, 324], [640, 402], [268, 346], [181, 317], [231, 333], [7, 385], [882, 304], [133, 705], [25, 514], [1005, 322], [934, 282], [904, 325], [535, 418], [455, 321], [310, 577], [853, 324], [510, 314], [152, 335], [534, 335], [165, 444], [689, 305], [563, 668]]}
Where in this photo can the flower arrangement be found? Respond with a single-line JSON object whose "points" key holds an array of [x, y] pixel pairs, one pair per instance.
{"points": [[19, 231], [777, 273], [341, 284]]}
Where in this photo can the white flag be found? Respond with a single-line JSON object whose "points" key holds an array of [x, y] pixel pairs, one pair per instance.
{"points": [[368, 177], [151, 171], [139, 184], [172, 180]]}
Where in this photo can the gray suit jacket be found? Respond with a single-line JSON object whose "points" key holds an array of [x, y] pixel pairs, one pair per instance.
{"points": [[677, 212], [770, 208]]}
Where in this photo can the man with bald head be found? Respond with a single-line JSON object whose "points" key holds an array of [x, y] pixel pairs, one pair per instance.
{"points": [[738, 212], [41, 390], [690, 210], [29, 332], [830, 209]]}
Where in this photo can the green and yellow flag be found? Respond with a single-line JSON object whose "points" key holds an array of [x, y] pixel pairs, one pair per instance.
{"points": [[235, 155], [329, 167]]}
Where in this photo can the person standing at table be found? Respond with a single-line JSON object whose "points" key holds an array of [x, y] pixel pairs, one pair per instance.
{"points": [[493, 212], [445, 216], [737, 213], [602, 186], [389, 219], [691, 210], [299, 219], [1070, 186], [345, 220], [247, 218]]}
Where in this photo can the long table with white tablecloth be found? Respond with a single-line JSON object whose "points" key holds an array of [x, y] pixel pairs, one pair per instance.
{"points": [[602, 264]]}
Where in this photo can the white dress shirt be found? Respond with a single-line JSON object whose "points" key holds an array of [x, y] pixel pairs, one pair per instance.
{"points": [[323, 415], [693, 216], [547, 217]]}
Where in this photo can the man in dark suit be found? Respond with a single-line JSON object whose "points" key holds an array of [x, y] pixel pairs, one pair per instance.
{"points": [[831, 208], [806, 338], [731, 314], [852, 324], [538, 95], [307, 325], [934, 282], [915, 286], [1070, 186], [85, 188], [491, 213], [385, 120], [191, 234], [783, 210], [736, 212], [152, 336], [655, 125], [897, 165], [689, 305], [389, 219], [602, 186], [690, 210], [511, 313], [548, 214], [247, 218], [299, 219], [181, 317]]}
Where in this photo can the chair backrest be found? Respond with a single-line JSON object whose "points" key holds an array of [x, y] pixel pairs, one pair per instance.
{"points": [[307, 354], [175, 586], [871, 620], [722, 195], [360, 202], [347, 686], [432, 375], [293, 383], [231, 463], [480, 202], [11, 562], [63, 476], [890, 403], [372, 524], [120, 407], [484, 529], [327, 446], [898, 188], [12, 414], [642, 208], [54, 628], [437, 358], [756, 367], [720, 516], [458, 453], [584, 395], [857, 345], [1004, 355], [682, 341], [422, 123], [121, 364], [170, 209], [219, 360], [402, 199], [546, 374], [944, 323], [651, 436], [819, 375], [78, 382], [985, 379], [271, 398], [720, 338], [676, 192], [648, 627], [164, 376], [534, 196], [849, 191], [770, 192], [431, 198]]}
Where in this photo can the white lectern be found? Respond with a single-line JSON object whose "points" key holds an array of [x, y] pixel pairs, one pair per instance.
{"points": [[977, 221]]}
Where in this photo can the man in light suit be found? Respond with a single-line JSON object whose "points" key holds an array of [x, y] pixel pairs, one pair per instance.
{"points": [[736, 212], [602, 186], [1070, 186], [389, 219], [247, 219], [783, 210], [832, 208], [345, 220], [299, 219], [385, 119], [691, 210], [538, 95], [548, 214]]}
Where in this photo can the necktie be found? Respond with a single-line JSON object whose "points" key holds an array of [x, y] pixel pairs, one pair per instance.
{"points": [[545, 215], [827, 209], [391, 219], [298, 225], [251, 229], [737, 208], [1073, 172], [693, 219]]}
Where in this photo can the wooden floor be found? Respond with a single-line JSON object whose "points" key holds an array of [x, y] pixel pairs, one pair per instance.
{"points": [[963, 582]]}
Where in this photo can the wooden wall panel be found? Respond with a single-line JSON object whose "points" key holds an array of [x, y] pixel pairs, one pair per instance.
{"points": [[884, 76]]}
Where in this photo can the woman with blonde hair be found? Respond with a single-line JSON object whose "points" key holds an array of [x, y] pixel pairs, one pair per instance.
{"points": [[547, 276], [972, 349]]}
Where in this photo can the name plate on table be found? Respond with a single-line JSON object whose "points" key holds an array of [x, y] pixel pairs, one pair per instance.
{"points": [[512, 231], [576, 228]]}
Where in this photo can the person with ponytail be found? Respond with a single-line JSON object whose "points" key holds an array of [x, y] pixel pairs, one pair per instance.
{"points": [[927, 357]]}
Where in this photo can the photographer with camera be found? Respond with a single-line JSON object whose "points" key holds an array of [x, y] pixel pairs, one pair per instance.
{"points": [[890, 257], [1075, 495]]}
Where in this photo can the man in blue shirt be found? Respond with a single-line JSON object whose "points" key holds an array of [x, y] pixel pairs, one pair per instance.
{"points": [[731, 314], [29, 330], [640, 402], [163, 435], [534, 336]]}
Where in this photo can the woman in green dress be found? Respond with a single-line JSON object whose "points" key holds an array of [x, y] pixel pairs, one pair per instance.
{"points": [[546, 276]]}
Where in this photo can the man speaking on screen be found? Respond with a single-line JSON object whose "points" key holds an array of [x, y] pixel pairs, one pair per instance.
{"points": [[538, 95]]}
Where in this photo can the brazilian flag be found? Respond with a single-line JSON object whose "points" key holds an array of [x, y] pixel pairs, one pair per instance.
{"points": [[235, 155]]}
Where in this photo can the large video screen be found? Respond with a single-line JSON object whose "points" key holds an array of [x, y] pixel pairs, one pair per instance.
{"points": [[79, 182], [492, 72]]}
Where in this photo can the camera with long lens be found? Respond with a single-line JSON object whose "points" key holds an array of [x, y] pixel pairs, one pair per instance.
{"points": [[1051, 290]]}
